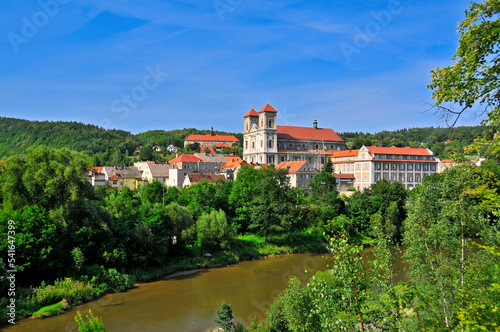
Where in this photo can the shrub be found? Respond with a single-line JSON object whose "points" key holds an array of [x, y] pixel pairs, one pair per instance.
{"points": [[92, 324], [214, 232], [73, 291]]}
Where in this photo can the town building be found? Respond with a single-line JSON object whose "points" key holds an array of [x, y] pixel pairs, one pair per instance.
{"points": [[121, 177], [300, 173], [266, 142], [370, 164], [157, 172], [211, 139]]}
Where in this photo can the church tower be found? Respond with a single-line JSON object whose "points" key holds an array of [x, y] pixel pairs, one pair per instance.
{"points": [[261, 136]]}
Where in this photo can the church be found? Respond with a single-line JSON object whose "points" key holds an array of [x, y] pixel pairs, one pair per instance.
{"points": [[267, 143]]}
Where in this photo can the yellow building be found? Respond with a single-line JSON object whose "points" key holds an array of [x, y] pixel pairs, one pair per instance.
{"points": [[121, 177]]}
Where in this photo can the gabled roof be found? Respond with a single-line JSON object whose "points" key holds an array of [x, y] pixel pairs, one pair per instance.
{"points": [[210, 149], [308, 133], [222, 145], [268, 108], [98, 168], [195, 178], [292, 166], [232, 158], [214, 138], [211, 158], [407, 151], [124, 172], [233, 164], [345, 153], [186, 158], [160, 170], [252, 112]]}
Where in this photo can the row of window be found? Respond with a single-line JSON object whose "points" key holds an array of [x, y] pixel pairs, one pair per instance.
{"points": [[393, 167], [305, 146]]}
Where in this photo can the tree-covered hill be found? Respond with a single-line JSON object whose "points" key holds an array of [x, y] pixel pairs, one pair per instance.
{"points": [[17, 135]]}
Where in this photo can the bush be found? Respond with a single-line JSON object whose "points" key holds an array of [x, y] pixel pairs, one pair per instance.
{"points": [[92, 324], [214, 232], [73, 291]]}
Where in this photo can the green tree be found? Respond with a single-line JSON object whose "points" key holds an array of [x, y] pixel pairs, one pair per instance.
{"points": [[273, 206], [473, 77], [214, 231], [241, 196], [146, 153], [443, 216]]}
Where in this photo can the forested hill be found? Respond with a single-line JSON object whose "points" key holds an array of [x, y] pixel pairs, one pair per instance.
{"points": [[444, 142], [17, 135]]}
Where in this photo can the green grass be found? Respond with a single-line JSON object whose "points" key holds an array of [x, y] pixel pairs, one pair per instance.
{"points": [[51, 310]]}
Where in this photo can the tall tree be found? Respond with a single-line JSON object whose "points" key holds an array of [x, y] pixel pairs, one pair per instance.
{"points": [[443, 216], [474, 76]]}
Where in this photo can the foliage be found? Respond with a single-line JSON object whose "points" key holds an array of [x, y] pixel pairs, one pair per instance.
{"points": [[214, 232], [443, 216], [91, 324], [225, 318], [73, 291]]}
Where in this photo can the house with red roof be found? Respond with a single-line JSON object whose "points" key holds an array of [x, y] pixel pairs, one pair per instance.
{"points": [[211, 139], [300, 173], [266, 142], [370, 164]]}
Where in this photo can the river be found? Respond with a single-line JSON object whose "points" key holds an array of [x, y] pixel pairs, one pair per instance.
{"points": [[189, 301]]}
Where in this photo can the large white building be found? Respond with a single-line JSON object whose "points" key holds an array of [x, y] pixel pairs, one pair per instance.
{"points": [[267, 143], [370, 164]]}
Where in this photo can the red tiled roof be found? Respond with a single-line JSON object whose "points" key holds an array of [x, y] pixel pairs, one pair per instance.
{"points": [[268, 108], [195, 178], [308, 133], [214, 138], [346, 153], [113, 178], [98, 168], [210, 149], [186, 158], [292, 166], [222, 145], [233, 164], [344, 176], [252, 112], [233, 158], [402, 151]]}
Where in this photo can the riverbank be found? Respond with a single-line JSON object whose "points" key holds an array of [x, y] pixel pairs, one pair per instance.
{"points": [[243, 248]]}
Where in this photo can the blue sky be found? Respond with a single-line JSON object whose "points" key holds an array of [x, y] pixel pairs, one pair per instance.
{"points": [[144, 65]]}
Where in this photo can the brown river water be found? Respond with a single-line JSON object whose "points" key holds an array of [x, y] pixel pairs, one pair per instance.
{"points": [[189, 301]]}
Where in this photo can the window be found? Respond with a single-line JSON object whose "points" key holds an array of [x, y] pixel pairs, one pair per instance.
{"points": [[316, 146], [253, 146], [121, 183], [246, 145], [433, 167], [409, 157], [386, 166], [365, 178], [393, 166], [402, 167], [270, 123], [402, 178], [426, 167], [400, 157], [343, 167], [410, 179], [357, 167], [270, 143], [393, 156], [378, 178], [417, 167], [410, 167], [261, 143], [364, 166], [377, 165], [417, 179], [393, 178]]}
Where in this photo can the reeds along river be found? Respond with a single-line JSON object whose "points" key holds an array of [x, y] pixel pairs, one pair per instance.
{"points": [[189, 301]]}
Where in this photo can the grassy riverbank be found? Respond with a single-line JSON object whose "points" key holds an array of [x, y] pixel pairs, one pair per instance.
{"points": [[54, 298]]}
